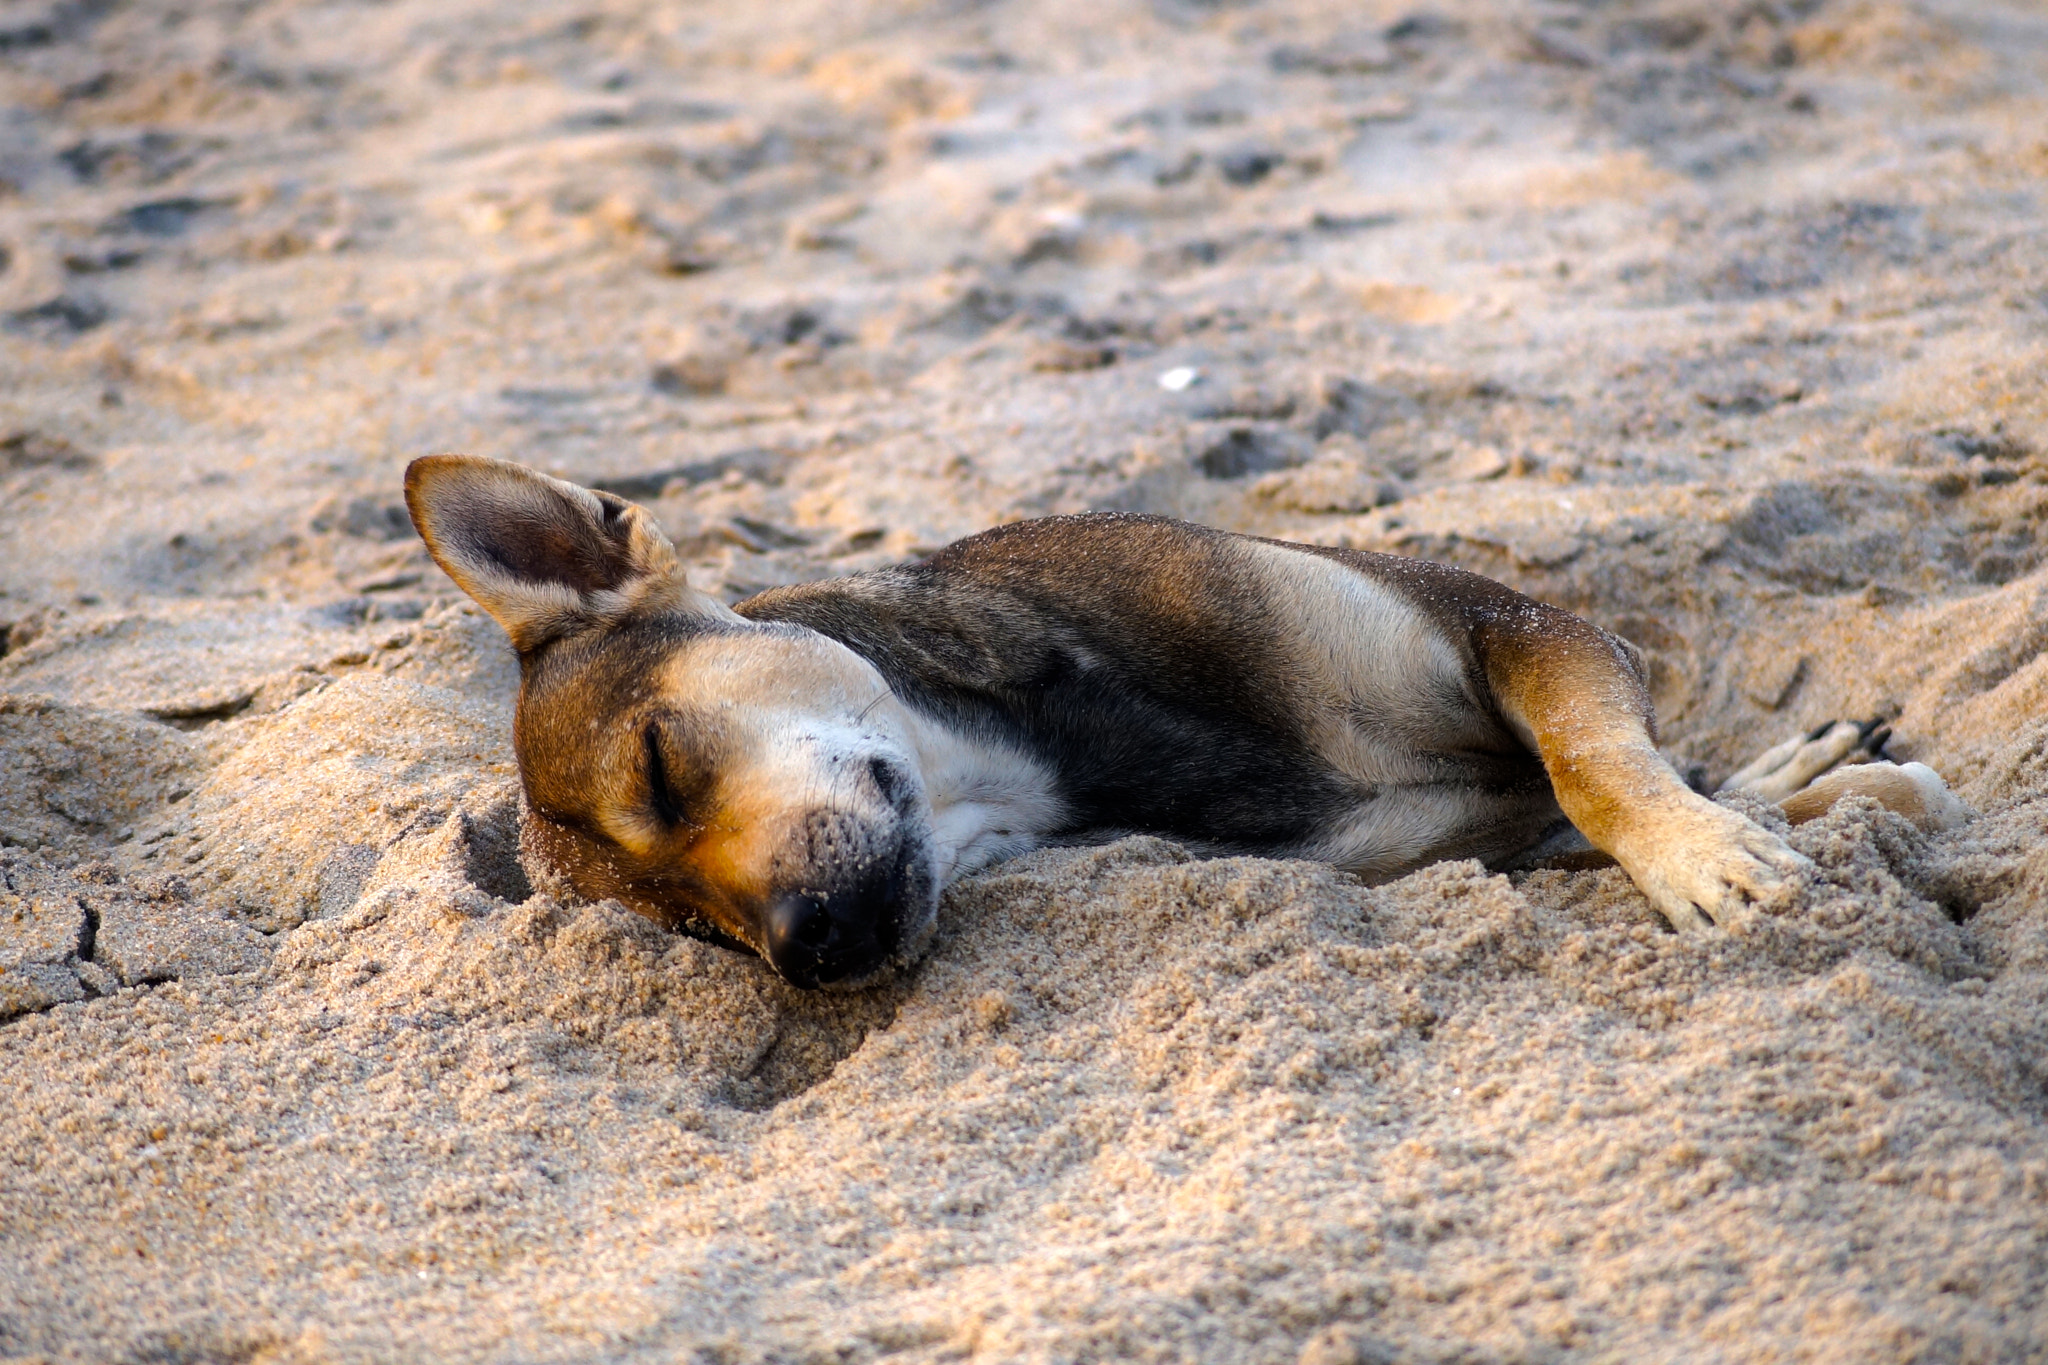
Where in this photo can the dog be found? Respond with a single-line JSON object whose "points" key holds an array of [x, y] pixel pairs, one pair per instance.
{"points": [[802, 774]]}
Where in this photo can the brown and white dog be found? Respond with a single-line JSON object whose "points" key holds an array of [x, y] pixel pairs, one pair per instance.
{"points": [[803, 773]]}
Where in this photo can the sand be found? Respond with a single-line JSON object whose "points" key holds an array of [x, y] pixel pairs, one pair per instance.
{"points": [[1723, 325]]}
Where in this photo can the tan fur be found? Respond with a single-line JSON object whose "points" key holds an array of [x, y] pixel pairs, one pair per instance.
{"points": [[1787, 769], [1387, 697], [1699, 863]]}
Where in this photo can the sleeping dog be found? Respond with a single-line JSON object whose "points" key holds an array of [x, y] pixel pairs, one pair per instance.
{"points": [[802, 774]]}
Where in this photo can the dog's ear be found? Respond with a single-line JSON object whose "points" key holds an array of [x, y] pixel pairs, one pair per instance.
{"points": [[542, 556]]}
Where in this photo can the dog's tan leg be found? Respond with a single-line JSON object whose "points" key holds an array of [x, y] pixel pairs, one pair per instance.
{"points": [[1912, 790], [1579, 699]]}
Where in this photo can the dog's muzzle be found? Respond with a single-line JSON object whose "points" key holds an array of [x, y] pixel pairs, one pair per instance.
{"points": [[845, 934]]}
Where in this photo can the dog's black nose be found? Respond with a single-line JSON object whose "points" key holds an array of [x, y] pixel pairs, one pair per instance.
{"points": [[817, 939]]}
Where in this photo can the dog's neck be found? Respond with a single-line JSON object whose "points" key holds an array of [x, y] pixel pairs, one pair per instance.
{"points": [[989, 800]]}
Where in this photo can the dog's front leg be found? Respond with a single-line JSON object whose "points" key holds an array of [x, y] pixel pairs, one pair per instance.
{"points": [[1578, 698]]}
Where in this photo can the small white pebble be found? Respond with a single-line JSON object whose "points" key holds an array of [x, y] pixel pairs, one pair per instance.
{"points": [[1180, 378]]}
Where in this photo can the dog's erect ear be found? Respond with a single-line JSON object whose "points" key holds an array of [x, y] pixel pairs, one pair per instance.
{"points": [[542, 556]]}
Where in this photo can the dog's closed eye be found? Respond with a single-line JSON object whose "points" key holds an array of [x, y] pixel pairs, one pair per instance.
{"points": [[673, 798]]}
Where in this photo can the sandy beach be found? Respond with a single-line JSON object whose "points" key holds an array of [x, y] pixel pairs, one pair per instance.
{"points": [[1724, 325]]}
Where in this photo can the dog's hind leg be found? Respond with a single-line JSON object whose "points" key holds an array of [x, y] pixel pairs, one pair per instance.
{"points": [[1913, 790], [1808, 773], [1789, 767]]}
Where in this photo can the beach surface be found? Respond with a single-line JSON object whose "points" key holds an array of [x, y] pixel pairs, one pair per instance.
{"points": [[1723, 325]]}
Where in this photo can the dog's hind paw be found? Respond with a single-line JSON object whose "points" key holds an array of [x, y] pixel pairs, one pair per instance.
{"points": [[1913, 790], [1706, 867], [1786, 768]]}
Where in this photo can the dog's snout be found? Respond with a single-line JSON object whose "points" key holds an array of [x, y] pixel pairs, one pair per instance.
{"points": [[799, 931], [820, 938]]}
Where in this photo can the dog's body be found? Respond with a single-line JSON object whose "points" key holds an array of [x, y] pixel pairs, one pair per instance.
{"points": [[805, 772], [1118, 672]]}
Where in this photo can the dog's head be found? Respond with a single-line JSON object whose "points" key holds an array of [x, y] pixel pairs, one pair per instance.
{"points": [[751, 778]]}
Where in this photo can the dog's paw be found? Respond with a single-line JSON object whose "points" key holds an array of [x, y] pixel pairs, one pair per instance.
{"points": [[1913, 790], [1780, 771], [1706, 867]]}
